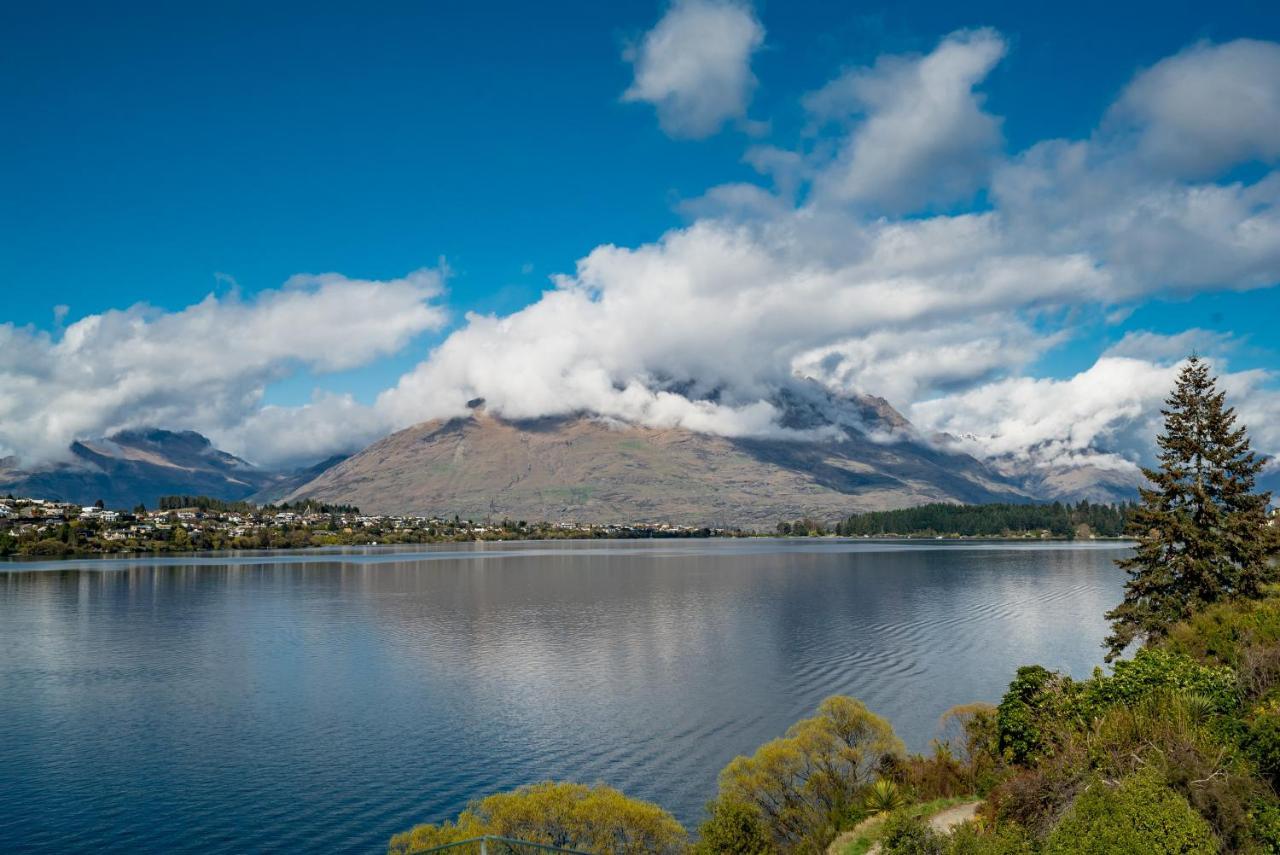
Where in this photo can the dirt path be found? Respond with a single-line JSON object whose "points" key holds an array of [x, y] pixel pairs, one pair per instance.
{"points": [[942, 821], [945, 820]]}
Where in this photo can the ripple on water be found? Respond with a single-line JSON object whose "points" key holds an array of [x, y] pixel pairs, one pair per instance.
{"points": [[321, 702]]}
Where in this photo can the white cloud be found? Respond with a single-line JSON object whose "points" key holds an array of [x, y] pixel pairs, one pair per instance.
{"points": [[694, 66], [204, 367], [1205, 109], [1143, 344], [284, 436], [1106, 416], [1153, 233], [922, 136], [1082, 419], [928, 362]]}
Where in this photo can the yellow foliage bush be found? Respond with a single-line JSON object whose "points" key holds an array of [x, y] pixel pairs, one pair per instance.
{"points": [[596, 819]]}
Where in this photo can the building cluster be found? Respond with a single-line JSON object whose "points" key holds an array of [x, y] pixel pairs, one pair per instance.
{"points": [[44, 527]]}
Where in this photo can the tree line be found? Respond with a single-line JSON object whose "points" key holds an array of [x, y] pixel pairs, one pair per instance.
{"points": [[208, 503], [1060, 519]]}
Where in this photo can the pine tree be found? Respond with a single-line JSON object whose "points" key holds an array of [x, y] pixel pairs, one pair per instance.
{"points": [[1199, 525]]}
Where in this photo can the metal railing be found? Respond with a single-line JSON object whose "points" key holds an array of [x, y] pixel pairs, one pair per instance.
{"points": [[491, 844]]}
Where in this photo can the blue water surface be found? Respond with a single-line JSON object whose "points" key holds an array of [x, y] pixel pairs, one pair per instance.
{"points": [[321, 701]]}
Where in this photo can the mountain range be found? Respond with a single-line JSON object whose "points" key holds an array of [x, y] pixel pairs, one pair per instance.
{"points": [[139, 466], [839, 454]]}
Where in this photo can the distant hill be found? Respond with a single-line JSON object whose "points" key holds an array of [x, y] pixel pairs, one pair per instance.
{"points": [[1073, 483], [286, 483], [140, 466], [587, 468]]}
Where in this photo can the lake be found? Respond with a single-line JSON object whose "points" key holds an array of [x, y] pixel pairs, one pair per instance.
{"points": [[321, 701]]}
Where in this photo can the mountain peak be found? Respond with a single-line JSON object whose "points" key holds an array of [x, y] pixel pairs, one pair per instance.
{"points": [[585, 468], [140, 465], [160, 436]]}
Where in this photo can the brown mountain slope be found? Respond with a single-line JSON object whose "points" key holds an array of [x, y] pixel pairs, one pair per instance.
{"points": [[585, 469]]}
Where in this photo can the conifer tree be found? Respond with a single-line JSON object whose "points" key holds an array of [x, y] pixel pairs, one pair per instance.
{"points": [[1200, 524]]}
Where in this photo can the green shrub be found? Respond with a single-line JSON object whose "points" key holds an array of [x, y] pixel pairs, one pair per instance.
{"points": [[1023, 713], [1140, 816], [1042, 709], [1265, 828], [1262, 744], [733, 828], [50, 546], [1007, 839], [906, 834], [1167, 734], [1218, 634], [1155, 669]]}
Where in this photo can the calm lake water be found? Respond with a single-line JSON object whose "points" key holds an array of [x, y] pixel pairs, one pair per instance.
{"points": [[320, 702]]}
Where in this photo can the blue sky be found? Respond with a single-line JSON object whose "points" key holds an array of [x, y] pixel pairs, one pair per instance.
{"points": [[158, 153]]}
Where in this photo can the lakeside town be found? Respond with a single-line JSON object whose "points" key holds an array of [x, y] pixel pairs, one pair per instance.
{"points": [[48, 528]]}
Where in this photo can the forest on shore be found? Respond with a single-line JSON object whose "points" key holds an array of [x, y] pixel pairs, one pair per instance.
{"points": [[940, 519]]}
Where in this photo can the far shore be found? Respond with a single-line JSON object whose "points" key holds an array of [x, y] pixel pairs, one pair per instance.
{"points": [[409, 546]]}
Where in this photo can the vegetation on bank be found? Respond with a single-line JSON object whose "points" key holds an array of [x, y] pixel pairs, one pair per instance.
{"points": [[208, 503], [1058, 520], [1177, 750], [571, 816]]}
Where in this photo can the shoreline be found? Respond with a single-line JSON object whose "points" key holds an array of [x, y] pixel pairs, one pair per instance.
{"points": [[328, 549]]}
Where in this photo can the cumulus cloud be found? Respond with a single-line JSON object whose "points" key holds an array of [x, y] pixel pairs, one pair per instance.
{"points": [[1154, 233], [1056, 422], [204, 367], [928, 362], [1105, 417], [921, 136], [1206, 108], [694, 66]]}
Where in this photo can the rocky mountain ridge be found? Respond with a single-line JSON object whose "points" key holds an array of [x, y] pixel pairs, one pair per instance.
{"points": [[139, 466], [863, 456]]}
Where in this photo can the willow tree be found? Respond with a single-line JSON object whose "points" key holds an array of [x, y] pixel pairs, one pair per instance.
{"points": [[1200, 524], [556, 814], [802, 785]]}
